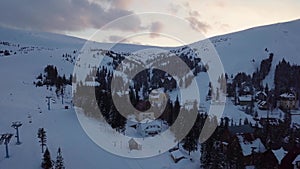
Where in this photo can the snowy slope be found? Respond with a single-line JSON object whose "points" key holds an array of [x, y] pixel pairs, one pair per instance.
{"points": [[20, 98], [21, 101], [238, 50]]}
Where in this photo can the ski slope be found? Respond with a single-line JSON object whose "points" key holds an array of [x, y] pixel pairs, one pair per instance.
{"points": [[20, 100]]}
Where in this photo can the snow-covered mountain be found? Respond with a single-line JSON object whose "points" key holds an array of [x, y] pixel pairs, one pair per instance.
{"points": [[27, 54]]}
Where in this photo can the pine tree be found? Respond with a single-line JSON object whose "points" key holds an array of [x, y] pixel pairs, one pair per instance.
{"points": [[42, 137], [246, 122], [59, 164], [47, 162], [191, 142]]}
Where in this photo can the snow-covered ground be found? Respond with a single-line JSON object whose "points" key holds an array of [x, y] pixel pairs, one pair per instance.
{"points": [[21, 101]]}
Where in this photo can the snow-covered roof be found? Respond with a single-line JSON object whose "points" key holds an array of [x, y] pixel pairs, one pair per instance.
{"points": [[147, 122], [243, 129], [92, 83], [245, 98], [279, 154], [261, 92], [177, 154], [296, 159], [250, 145], [132, 140], [288, 95], [250, 167]]}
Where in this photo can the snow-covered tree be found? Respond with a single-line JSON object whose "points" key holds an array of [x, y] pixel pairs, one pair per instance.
{"points": [[59, 164], [42, 137], [47, 162]]}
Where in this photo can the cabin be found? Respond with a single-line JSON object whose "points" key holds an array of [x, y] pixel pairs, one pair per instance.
{"points": [[232, 131], [157, 96], [288, 101], [261, 96], [149, 127], [268, 160], [252, 148], [246, 88], [263, 105], [296, 162], [290, 160], [145, 115], [245, 100], [279, 154], [177, 155], [269, 121], [134, 145]]}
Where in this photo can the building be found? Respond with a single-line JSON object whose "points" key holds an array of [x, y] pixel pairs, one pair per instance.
{"points": [[241, 139], [261, 96], [177, 155], [252, 148], [296, 162], [149, 127], [245, 100], [279, 154], [269, 121], [157, 96], [232, 131], [145, 115], [134, 145], [288, 101], [291, 159], [262, 105]]}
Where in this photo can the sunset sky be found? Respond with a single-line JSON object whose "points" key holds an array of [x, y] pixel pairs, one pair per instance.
{"points": [[206, 18]]}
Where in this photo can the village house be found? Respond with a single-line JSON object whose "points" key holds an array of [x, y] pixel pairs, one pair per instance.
{"points": [[242, 137], [291, 160], [269, 121], [261, 96], [232, 131], [262, 105], [252, 148], [288, 101], [134, 145], [279, 154], [145, 115], [296, 162], [157, 97], [149, 127], [245, 100]]}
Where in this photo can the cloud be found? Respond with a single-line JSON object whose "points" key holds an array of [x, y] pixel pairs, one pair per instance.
{"points": [[155, 29], [198, 25], [220, 3], [173, 8], [62, 15], [121, 4], [194, 13], [115, 38], [120, 39]]}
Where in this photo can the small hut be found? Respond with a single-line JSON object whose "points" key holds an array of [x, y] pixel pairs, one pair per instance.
{"points": [[134, 145]]}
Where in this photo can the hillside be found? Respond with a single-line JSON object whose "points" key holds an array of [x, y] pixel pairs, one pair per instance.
{"points": [[31, 52]]}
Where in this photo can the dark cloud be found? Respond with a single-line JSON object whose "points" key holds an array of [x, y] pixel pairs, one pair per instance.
{"points": [[155, 29], [62, 15], [198, 25]]}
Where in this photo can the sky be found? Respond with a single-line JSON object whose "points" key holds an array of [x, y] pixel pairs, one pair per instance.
{"points": [[150, 22]]}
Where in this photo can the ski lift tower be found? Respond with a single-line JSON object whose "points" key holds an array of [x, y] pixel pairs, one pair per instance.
{"points": [[5, 138], [48, 97], [16, 126]]}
